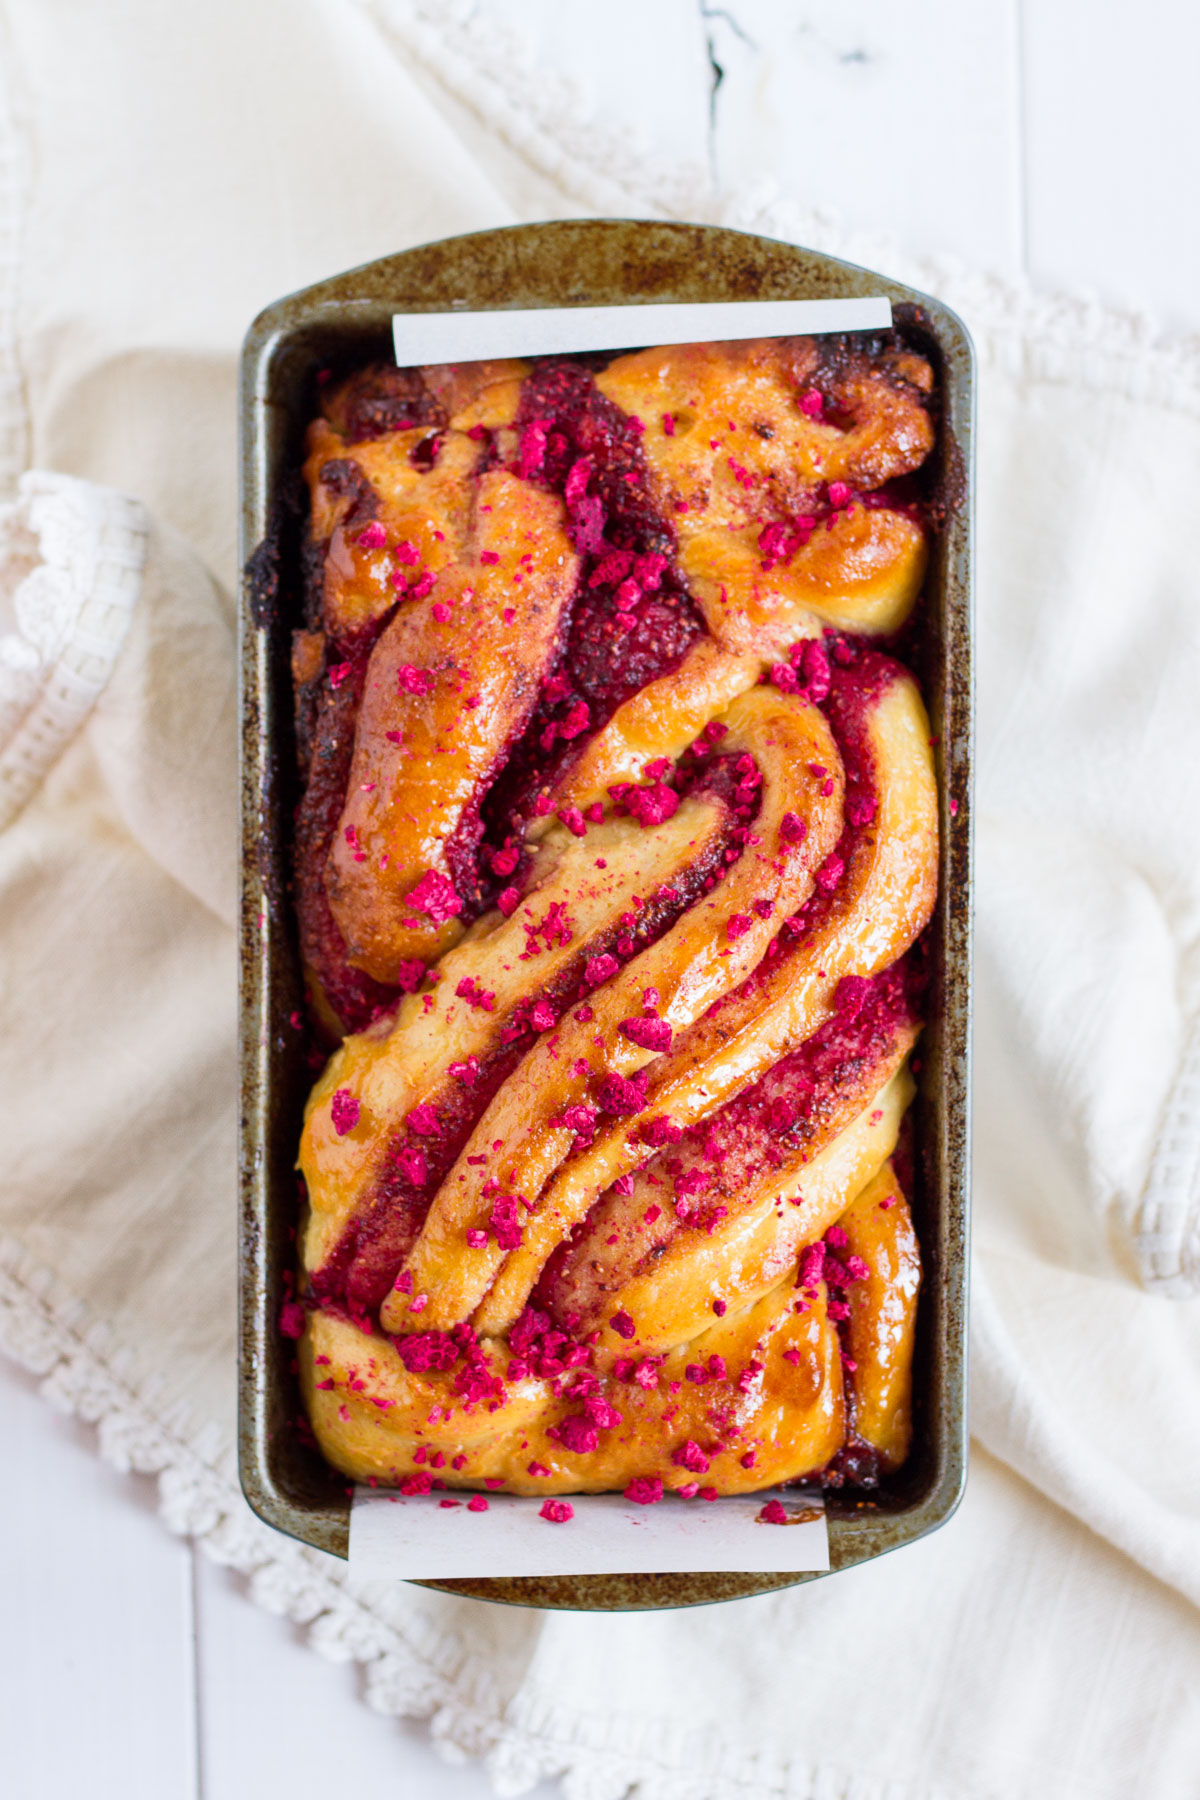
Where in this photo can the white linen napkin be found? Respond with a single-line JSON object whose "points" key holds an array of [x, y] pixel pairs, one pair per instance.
{"points": [[1046, 1642]]}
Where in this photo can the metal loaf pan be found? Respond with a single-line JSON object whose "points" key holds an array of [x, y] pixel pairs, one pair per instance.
{"points": [[346, 321]]}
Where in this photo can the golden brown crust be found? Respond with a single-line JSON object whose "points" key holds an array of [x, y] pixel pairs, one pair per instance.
{"points": [[789, 1419], [731, 450], [776, 1406], [883, 1307], [450, 683]]}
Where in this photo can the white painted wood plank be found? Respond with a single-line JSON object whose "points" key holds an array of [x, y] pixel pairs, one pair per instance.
{"points": [[639, 65], [901, 122], [276, 1719], [96, 1652], [1113, 151]]}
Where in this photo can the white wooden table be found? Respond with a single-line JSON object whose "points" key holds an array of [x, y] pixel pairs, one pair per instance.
{"points": [[1050, 138]]}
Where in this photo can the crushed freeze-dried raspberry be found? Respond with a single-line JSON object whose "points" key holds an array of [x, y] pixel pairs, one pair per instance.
{"points": [[434, 896], [599, 969], [813, 661], [659, 1131], [424, 1121], [469, 989], [652, 805], [411, 680], [412, 1164], [557, 1512], [645, 1490], [578, 1118], [532, 452], [291, 1319], [691, 1456], [773, 1513], [829, 874], [344, 1111], [622, 1095], [577, 720], [505, 1223], [577, 1433], [738, 925], [622, 1324], [477, 1504], [409, 975], [861, 809], [648, 1033], [812, 1265]]}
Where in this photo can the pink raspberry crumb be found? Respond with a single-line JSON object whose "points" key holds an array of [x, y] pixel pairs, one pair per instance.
{"points": [[434, 896], [344, 1111], [291, 1320]]}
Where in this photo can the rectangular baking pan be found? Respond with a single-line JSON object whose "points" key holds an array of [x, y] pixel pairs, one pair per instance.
{"points": [[342, 323]]}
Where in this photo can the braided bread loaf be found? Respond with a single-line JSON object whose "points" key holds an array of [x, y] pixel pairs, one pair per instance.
{"points": [[617, 843]]}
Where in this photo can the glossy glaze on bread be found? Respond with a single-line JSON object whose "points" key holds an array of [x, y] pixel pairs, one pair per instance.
{"points": [[618, 840]]}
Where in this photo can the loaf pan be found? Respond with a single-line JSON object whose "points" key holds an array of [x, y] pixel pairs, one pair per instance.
{"points": [[346, 321]]}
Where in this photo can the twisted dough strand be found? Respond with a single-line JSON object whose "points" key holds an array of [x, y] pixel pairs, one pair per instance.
{"points": [[697, 962], [405, 1062]]}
